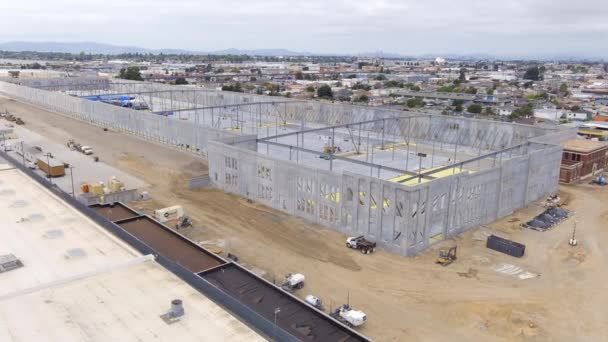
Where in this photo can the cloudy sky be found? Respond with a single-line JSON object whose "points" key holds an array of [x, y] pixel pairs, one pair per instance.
{"points": [[506, 27]]}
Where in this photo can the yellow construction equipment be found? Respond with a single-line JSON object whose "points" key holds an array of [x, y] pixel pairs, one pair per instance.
{"points": [[329, 149], [446, 257]]}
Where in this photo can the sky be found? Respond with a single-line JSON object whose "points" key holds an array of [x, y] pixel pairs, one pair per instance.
{"points": [[500, 28]]}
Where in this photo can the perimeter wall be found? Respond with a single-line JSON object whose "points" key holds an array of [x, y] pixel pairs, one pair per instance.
{"points": [[179, 134]]}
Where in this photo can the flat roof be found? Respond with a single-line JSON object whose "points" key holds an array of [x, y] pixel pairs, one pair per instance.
{"points": [[582, 145], [78, 282], [298, 318]]}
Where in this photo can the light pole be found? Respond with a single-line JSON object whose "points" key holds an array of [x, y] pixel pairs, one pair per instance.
{"points": [[22, 153], [420, 156], [48, 167], [277, 310], [72, 178]]}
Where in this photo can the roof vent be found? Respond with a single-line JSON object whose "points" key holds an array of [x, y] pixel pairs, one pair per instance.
{"points": [[36, 217], [53, 234], [175, 313], [18, 204], [75, 253], [9, 262], [7, 192]]}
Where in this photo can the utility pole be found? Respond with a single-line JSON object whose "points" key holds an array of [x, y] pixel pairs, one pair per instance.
{"points": [[72, 178], [22, 153], [573, 241], [48, 166], [277, 310]]}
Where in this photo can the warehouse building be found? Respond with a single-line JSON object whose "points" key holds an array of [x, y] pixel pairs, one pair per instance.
{"points": [[64, 278]]}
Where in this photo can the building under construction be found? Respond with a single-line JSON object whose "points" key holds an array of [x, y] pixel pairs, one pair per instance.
{"points": [[404, 179]]}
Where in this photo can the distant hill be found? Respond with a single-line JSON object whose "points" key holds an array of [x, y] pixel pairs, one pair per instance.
{"points": [[110, 49], [87, 47], [261, 52], [100, 48]]}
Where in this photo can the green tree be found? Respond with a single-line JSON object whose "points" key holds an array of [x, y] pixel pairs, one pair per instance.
{"points": [[299, 75], [489, 111], [325, 92], [490, 91], [310, 89], [415, 88], [415, 102], [360, 85], [471, 90], [563, 88], [458, 108], [392, 84], [235, 87], [452, 88], [475, 108], [130, 73], [180, 81], [463, 76], [533, 74], [380, 77], [363, 98], [457, 102], [523, 111]]}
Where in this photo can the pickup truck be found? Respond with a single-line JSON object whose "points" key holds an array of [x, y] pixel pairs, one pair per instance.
{"points": [[360, 243]]}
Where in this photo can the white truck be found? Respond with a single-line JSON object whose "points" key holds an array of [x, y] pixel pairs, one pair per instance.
{"points": [[293, 282], [314, 301], [346, 315], [88, 150], [170, 215]]}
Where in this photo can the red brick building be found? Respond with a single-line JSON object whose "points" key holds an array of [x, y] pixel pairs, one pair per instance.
{"points": [[581, 159]]}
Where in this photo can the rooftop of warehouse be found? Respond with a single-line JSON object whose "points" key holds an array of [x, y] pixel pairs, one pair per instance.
{"points": [[78, 282], [582, 145]]}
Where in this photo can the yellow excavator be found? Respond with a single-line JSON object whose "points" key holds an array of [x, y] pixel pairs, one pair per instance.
{"points": [[446, 257]]}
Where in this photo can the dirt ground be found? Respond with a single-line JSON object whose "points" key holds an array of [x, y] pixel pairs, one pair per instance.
{"points": [[406, 299]]}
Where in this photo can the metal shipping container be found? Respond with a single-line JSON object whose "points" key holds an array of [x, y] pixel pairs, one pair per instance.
{"points": [[509, 247]]}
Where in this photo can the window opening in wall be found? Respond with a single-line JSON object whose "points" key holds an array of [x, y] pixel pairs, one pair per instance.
{"points": [[349, 194], [386, 204]]}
